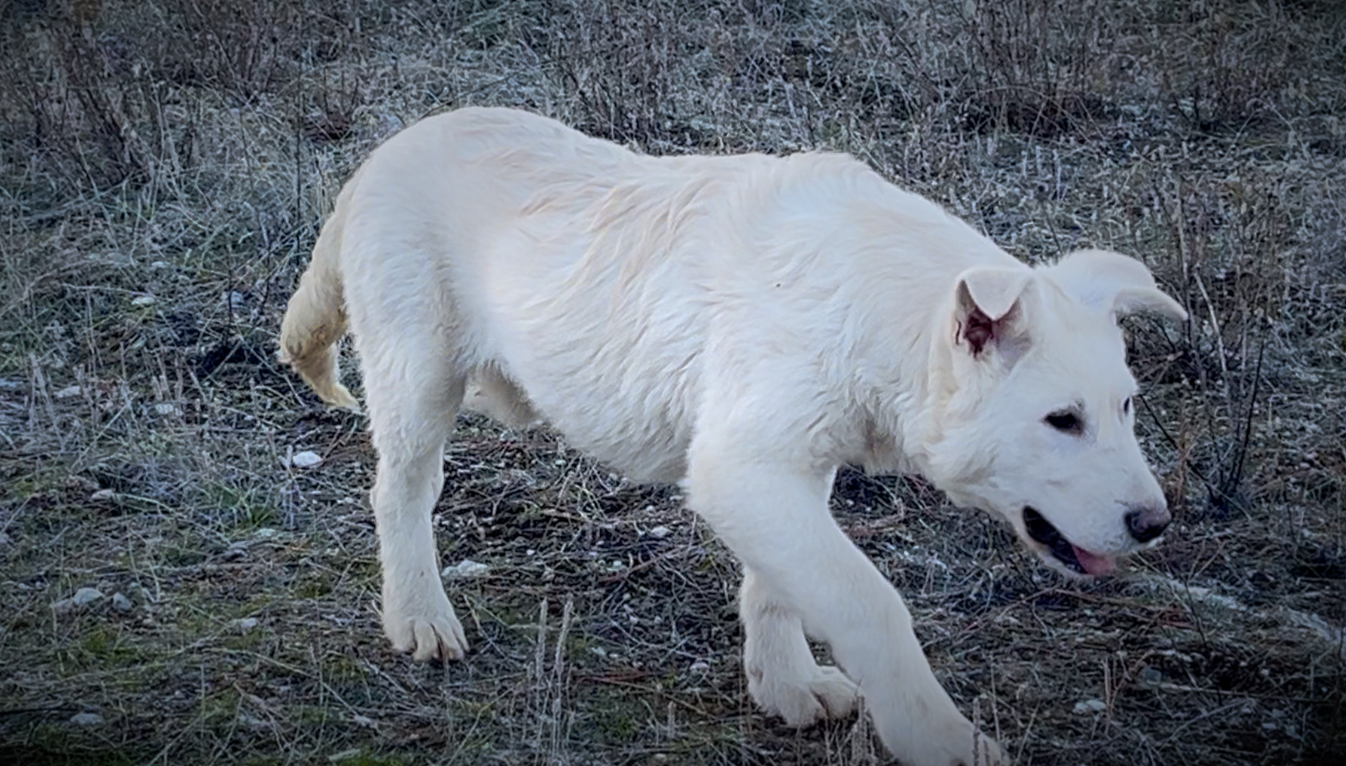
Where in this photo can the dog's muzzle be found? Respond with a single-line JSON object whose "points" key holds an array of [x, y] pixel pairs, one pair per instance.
{"points": [[1073, 557]]}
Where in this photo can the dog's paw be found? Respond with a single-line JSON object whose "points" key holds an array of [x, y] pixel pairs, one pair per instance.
{"points": [[430, 632], [826, 693]]}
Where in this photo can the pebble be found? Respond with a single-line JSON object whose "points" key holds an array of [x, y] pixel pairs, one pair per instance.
{"points": [[246, 624], [121, 603], [82, 597], [305, 459], [465, 569], [1090, 706], [85, 596], [659, 532], [103, 495], [144, 300], [86, 719]]}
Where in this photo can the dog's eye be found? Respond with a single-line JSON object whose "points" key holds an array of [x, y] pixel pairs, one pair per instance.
{"points": [[1126, 406], [1065, 422]]}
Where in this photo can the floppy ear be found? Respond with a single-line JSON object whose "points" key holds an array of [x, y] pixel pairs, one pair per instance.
{"points": [[1113, 282], [986, 307]]}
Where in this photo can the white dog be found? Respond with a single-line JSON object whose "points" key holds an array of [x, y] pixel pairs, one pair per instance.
{"points": [[743, 325]]}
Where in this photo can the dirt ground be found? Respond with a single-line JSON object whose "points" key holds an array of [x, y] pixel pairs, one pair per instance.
{"points": [[176, 590]]}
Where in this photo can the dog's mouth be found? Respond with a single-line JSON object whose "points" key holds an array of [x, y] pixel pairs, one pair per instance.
{"points": [[1072, 557]]}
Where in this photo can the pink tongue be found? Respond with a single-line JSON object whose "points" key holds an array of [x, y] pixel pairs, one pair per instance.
{"points": [[1095, 565]]}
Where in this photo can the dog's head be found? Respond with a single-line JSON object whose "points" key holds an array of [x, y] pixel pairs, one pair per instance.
{"points": [[1036, 406]]}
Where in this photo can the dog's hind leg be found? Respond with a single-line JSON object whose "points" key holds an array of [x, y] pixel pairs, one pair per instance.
{"points": [[413, 393], [783, 677]]}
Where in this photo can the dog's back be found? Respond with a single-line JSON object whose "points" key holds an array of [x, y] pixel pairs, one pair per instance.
{"points": [[570, 268]]}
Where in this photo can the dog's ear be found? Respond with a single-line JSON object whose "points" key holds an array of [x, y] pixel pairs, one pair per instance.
{"points": [[987, 310], [1114, 282]]}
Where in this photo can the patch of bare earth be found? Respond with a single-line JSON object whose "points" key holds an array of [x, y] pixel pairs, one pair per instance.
{"points": [[177, 590]]}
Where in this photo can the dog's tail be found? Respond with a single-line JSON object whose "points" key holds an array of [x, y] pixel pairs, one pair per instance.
{"points": [[316, 316]]}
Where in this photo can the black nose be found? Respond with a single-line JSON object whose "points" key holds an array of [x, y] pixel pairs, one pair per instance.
{"points": [[1145, 524]]}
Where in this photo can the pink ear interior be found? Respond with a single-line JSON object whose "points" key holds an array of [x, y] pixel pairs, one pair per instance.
{"points": [[993, 317], [977, 330]]}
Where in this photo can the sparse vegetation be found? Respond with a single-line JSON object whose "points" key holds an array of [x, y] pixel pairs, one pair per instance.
{"points": [[165, 166]]}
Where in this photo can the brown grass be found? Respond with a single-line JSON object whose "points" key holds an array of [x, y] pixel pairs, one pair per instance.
{"points": [[165, 165]]}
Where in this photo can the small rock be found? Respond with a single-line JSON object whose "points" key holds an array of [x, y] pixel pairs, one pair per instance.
{"points": [[121, 603], [86, 719], [160, 265], [305, 459], [265, 533], [1090, 706], [364, 721], [235, 299], [143, 300], [164, 408], [1151, 675], [85, 596], [659, 532], [246, 624], [82, 597], [465, 569], [699, 667], [103, 495], [68, 392]]}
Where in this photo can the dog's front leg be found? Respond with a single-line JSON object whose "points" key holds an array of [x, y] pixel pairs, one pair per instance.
{"points": [[783, 677], [773, 514]]}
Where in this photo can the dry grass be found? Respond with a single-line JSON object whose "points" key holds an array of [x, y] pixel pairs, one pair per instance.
{"points": [[164, 166]]}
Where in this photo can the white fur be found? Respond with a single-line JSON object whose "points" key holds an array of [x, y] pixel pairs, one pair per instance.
{"points": [[742, 325]]}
